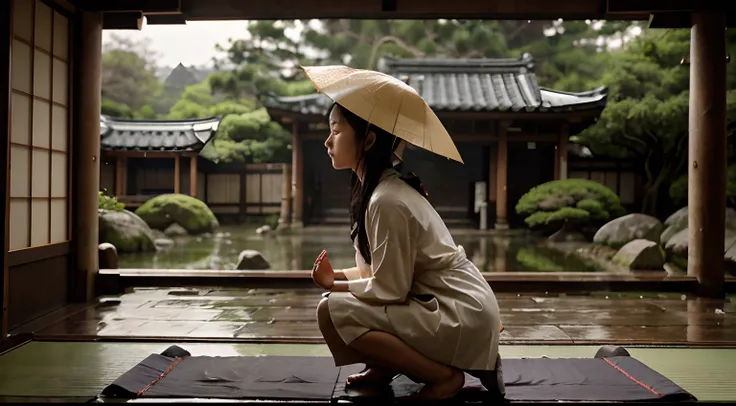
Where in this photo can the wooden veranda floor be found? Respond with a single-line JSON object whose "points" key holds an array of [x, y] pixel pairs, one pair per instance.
{"points": [[288, 315]]}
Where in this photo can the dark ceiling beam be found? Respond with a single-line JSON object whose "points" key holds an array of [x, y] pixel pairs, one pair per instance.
{"points": [[165, 19], [682, 20], [668, 6], [400, 9], [145, 6], [122, 21]]}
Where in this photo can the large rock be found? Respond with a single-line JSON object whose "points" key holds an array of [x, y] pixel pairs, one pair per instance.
{"points": [[640, 255], [677, 246], [678, 221], [175, 230], [252, 259], [619, 232], [189, 212], [126, 231]]}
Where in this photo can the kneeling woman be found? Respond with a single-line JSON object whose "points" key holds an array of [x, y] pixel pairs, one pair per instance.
{"points": [[414, 304]]}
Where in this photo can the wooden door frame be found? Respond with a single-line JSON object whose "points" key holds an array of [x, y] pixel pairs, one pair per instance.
{"points": [[5, 63]]}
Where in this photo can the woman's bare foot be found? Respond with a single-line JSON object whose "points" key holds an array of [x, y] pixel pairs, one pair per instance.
{"points": [[442, 390], [372, 376]]}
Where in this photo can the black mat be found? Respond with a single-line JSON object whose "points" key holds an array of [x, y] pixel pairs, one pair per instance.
{"points": [[175, 374]]}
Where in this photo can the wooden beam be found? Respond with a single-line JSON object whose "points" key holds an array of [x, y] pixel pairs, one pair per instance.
{"points": [[286, 198], [5, 63], [502, 178], [120, 172], [86, 155], [177, 174], [145, 6], [650, 6], [243, 198], [682, 20], [193, 176], [707, 153], [415, 9], [132, 20], [165, 19], [564, 139], [297, 177]]}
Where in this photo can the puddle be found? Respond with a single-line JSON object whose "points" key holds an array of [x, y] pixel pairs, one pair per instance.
{"points": [[507, 252]]}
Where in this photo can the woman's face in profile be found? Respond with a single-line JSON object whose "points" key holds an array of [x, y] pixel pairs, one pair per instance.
{"points": [[340, 144]]}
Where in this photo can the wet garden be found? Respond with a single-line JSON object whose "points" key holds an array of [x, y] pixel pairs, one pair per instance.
{"points": [[511, 251], [574, 225]]}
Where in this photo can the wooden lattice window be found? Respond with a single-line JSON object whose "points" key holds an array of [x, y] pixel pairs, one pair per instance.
{"points": [[39, 126]]}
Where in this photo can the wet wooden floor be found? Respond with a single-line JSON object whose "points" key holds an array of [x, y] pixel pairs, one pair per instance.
{"points": [[280, 315]]}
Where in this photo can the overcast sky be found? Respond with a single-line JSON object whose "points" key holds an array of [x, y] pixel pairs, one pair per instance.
{"points": [[194, 43], [190, 44]]}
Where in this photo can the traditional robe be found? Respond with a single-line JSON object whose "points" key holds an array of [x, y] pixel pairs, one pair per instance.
{"points": [[420, 286]]}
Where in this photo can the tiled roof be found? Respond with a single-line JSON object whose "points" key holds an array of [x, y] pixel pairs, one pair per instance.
{"points": [[468, 85], [157, 135]]}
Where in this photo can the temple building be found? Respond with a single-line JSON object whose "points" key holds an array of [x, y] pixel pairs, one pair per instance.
{"points": [[511, 133], [141, 159]]}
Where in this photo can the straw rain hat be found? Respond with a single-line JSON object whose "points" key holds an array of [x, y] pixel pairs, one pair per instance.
{"points": [[387, 102]]}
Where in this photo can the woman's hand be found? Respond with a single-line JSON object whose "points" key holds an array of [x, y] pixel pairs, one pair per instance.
{"points": [[322, 273]]}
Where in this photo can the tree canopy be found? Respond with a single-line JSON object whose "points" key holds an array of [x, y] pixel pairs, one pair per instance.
{"points": [[646, 118]]}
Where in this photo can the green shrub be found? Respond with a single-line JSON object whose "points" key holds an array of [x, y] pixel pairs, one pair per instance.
{"points": [[108, 202], [189, 212], [581, 202]]}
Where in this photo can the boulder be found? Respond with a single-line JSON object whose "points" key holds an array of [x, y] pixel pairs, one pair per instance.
{"points": [[678, 221], [677, 247], [640, 255], [175, 230], [162, 243], [620, 231], [190, 213], [264, 229], [668, 233], [126, 231], [107, 256], [252, 259]]}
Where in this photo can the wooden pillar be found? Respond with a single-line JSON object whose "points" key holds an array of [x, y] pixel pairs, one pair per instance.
{"points": [[562, 151], [707, 152], [557, 162], [5, 39], [177, 174], [86, 154], [297, 177], [193, 177], [121, 170], [501, 169], [244, 191], [286, 198]]}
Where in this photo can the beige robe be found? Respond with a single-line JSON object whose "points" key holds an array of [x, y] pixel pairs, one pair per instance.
{"points": [[420, 287]]}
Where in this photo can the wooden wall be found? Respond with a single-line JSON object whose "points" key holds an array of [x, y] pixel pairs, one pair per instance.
{"points": [[37, 222]]}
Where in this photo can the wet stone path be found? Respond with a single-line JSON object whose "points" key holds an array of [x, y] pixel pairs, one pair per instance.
{"points": [[280, 315]]}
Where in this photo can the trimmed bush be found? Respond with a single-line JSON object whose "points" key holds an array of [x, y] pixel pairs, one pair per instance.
{"points": [[580, 202], [105, 202]]}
